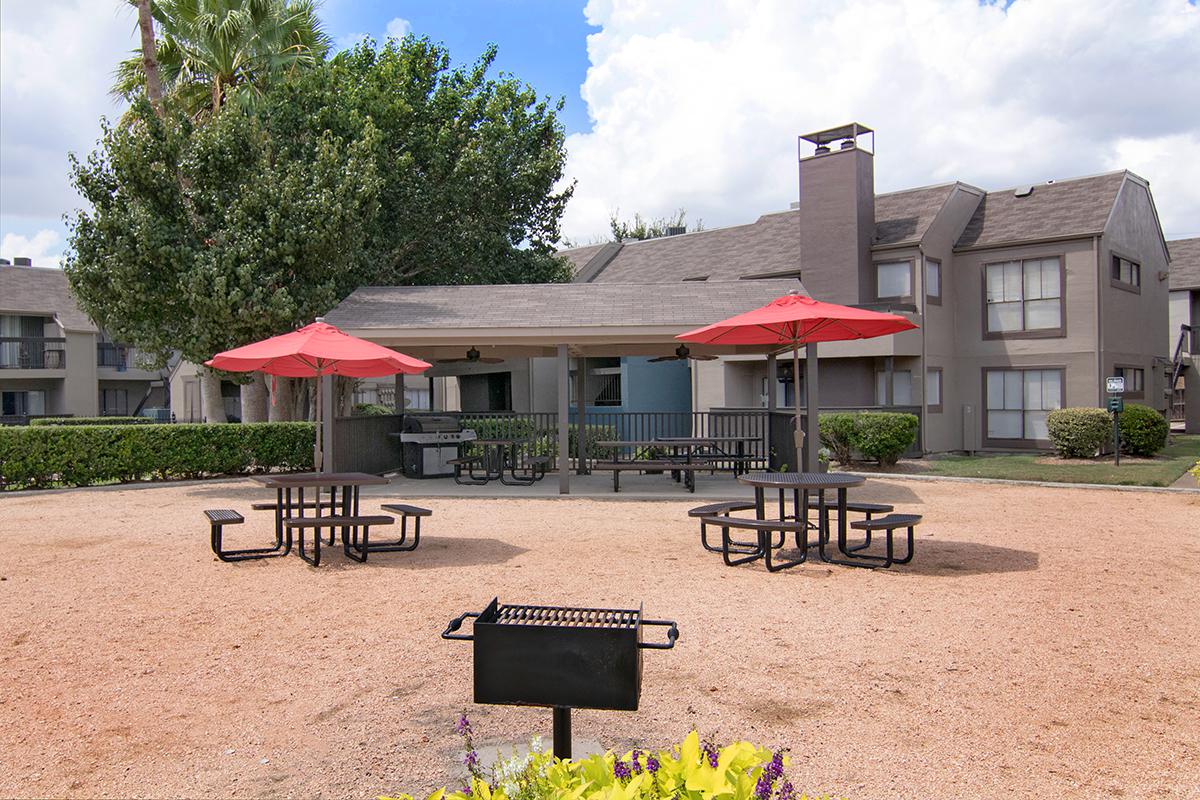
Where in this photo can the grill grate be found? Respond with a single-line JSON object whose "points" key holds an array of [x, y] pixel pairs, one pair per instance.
{"points": [[557, 616]]}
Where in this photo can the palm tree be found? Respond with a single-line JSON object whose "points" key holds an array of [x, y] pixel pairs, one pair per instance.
{"points": [[213, 50]]}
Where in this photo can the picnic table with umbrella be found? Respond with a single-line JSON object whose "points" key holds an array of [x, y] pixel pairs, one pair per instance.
{"points": [[794, 321], [318, 351]]}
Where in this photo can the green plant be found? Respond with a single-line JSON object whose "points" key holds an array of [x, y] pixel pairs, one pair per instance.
{"points": [[372, 410], [692, 770], [884, 436], [82, 455], [1079, 432], [837, 434], [90, 421], [1143, 430]]}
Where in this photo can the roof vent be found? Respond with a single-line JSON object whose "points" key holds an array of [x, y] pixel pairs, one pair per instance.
{"points": [[4, 262], [847, 144], [1023, 191], [822, 149], [676, 230], [22, 262]]}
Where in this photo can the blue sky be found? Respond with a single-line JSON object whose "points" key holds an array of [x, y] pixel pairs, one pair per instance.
{"points": [[543, 42], [697, 104]]}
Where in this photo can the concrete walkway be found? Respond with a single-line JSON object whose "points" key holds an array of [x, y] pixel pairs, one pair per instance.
{"points": [[597, 486]]}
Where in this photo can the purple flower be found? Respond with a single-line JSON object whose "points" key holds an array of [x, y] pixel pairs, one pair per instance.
{"points": [[463, 727], [786, 792], [762, 789], [775, 769], [471, 760], [651, 764], [637, 768], [621, 770], [713, 756]]}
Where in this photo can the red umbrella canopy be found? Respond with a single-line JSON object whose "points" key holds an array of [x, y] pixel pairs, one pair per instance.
{"points": [[317, 349], [797, 319]]}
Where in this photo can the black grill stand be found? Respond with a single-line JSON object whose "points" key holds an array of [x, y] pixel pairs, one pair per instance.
{"points": [[562, 732]]}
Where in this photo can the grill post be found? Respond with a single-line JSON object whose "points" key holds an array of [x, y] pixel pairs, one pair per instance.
{"points": [[562, 732]]}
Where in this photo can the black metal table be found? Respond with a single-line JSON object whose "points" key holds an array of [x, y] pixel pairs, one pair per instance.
{"points": [[715, 442], [800, 485], [498, 453], [345, 485]]}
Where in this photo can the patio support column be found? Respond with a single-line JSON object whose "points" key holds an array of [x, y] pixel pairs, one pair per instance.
{"points": [[580, 414], [812, 442], [772, 406], [564, 430], [327, 423]]}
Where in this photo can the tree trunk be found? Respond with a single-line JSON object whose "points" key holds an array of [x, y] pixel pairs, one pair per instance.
{"points": [[255, 399], [211, 402], [149, 58], [283, 400]]}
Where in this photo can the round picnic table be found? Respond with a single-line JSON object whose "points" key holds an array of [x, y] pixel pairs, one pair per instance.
{"points": [[801, 485]]}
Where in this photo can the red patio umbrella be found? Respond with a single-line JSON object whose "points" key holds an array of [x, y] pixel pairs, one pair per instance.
{"points": [[314, 351], [795, 320]]}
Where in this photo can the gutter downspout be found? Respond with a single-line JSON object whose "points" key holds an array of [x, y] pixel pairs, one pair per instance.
{"points": [[924, 354], [1099, 324]]}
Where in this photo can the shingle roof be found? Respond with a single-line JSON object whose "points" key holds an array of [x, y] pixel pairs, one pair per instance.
{"points": [[38, 291], [555, 305], [1075, 207], [903, 217], [770, 245], [1185, 263]]}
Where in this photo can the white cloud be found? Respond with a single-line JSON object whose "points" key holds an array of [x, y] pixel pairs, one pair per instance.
{"points": [[702, 110], [44, 248], [56, 58], [399, 28]]}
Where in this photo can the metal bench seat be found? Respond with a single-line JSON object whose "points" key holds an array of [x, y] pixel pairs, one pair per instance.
{"points": [[471, 478], [888, 525], [218, 518], [617, 467], [765, 530], [346, 523], [717, 510]]}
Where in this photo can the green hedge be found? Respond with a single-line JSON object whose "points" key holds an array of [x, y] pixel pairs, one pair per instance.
{"points": [[91, 421], [32, 457], [881, 436], [1143, 430], [372, 410], [1079, 432]]}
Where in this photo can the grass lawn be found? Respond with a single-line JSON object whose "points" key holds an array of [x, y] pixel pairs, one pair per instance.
{"points": [[1178, 457]]}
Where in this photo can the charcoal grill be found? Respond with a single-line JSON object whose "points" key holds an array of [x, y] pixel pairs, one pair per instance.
{"points": [[559, 657]]}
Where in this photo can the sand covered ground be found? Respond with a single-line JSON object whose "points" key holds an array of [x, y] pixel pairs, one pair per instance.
{"points": [[1044, 643]]}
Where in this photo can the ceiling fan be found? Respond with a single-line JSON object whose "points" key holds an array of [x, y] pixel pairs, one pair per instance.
{"points": [[473, 357], [682, 353]]}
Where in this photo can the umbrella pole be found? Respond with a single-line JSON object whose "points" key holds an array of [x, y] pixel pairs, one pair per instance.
{"points": [[318, 417], [328, 406], [798, 435]]}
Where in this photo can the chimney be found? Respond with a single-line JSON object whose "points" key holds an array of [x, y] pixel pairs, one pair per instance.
{"points": [[837, 215], [22, 262]]}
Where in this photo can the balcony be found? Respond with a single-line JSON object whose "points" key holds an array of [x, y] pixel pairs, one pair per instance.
{"points": [[113, 356], [32, 352]]}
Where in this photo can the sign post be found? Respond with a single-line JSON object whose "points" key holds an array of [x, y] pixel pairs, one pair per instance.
{"points": [[1116, 404]]}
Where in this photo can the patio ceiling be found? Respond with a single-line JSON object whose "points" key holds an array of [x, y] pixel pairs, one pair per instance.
{"points": [[529, 320]]}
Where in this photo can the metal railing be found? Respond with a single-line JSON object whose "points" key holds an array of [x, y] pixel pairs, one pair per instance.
{"points": [[32, 352], [112, 355]]}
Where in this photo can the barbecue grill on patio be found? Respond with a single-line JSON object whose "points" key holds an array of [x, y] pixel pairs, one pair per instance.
{"points": [[430, 442], [559, 657]]}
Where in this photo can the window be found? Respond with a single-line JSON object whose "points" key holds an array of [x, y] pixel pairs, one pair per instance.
{"points": [[1018, 402], [933, 389], [1135, 380], [933, 281], [1126, 272], [19, 404], [114, 402], [901, 388], [893, 279], [1024, 296]]}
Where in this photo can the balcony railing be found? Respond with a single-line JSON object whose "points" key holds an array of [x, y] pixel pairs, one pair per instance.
{"points": [[115, 356], [32, 352]]}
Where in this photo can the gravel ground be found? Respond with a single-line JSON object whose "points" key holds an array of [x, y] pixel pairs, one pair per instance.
{"points": [[1044, 643]]}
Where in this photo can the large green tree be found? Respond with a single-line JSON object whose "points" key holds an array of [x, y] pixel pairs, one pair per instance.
{"points": [[472, 166], [202, 238], [210, 50]]}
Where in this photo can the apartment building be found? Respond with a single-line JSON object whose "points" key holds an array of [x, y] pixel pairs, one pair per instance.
{"points": [[1027, 297], [55, 361]]}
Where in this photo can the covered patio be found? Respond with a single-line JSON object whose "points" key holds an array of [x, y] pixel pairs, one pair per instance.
{"points": [[559, 321]]}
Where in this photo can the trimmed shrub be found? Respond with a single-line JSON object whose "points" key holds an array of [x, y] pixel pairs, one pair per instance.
{"points": [[62, 455], [91, 421], [1143, 430], [837, 434], [371, 410], [884, 435], [1079, 432]]}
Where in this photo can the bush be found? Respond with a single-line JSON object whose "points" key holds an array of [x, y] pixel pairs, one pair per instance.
{"points": [[91, 421], [837, 433], [371, 410], [884, 436], [1079, 432], [692, 770], [1143, 430], [32, 457]]}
